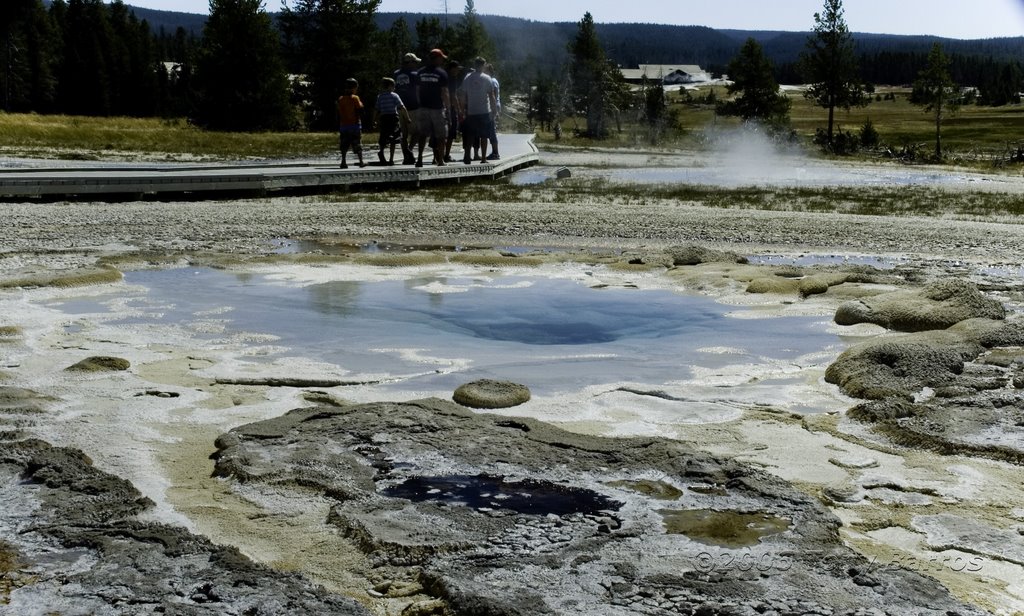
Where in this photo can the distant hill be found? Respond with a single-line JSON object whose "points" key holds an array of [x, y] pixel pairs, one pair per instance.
{"points": [[783, 47], [542, 47], [531, 45], [528, 48], [170, 21]]}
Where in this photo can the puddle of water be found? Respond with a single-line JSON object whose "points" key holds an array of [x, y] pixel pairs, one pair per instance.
{"points": [[553, 335], [709, 489], [289, 246], [1009, 272], [782, 175], [795, 172], [874, 261], [658, 490], [493, 492], [533, 175], [727, 529]]}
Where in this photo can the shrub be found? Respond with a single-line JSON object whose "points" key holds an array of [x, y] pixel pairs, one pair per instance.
{"points": [[843, 141], [869, 137]]}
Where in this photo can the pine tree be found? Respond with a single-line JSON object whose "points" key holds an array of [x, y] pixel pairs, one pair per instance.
{"points": [[936, 92], [134, 88], [752, 76], [542, 104], [430, 34], [27, 48], [469, 37], [175, 81], [240, 75], [588, 74], [830, 65], [329, 41], [399, 41], [83, 86]]}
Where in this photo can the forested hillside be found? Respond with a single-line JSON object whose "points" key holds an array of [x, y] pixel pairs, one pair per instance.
{"points": [[97, 58], [528, 48]]}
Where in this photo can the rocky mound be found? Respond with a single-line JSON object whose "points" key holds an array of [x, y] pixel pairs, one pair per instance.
{"points": [[695, 255], [494, 515], [100, 363], [960, 390], [76, 530], [900, 367], [491, 394], [935, 306]]}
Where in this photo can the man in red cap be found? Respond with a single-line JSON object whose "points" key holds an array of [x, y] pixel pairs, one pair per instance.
{"points": [[435, 105]]}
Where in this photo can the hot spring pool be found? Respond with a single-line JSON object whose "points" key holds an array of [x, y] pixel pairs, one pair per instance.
{"points": [[431, 334]]}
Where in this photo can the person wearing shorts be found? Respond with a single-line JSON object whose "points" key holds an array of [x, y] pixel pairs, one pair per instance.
{"points": [[435, 105], [480, 103], [456, 115], [350, 128], [407, 84], [387, 111]]}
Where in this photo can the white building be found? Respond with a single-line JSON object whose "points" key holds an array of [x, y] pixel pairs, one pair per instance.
{"points": [[666, 74]]}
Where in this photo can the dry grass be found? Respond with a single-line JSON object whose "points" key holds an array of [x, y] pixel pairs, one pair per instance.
{"points": [[59, 136], [973, 128], [974, 133], [864, 200], [62, 279]]}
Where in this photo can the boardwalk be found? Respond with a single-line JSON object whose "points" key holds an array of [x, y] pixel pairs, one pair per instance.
{"points": [[154, 181]]}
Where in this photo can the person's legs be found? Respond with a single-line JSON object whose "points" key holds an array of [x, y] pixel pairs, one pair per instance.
{"points": [[407, 129], [357, 146], [344, 143], [382, 141], [420, 122], [453, 130], [468, 138], [440, 125], [421, 143], [492, 136], [388, 126], [482, 139]]}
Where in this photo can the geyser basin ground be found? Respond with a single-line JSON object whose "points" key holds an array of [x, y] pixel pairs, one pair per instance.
{"points": [[155, 423], [209, 350]]}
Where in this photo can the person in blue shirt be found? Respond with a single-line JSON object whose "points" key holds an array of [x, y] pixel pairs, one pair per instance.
{"points": [[386, 114]]}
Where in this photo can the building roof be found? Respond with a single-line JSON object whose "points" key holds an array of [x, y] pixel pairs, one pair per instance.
{"points": [[665, 73], [660, 71]]}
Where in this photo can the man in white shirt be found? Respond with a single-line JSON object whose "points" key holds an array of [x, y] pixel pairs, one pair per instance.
{"points": [[481, 104]]}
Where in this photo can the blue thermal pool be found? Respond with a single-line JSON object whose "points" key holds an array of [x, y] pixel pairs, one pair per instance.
{"points": [[431, 333]]}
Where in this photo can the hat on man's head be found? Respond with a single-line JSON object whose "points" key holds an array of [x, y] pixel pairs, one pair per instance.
{"points": [[410, 57], [438, 53]]}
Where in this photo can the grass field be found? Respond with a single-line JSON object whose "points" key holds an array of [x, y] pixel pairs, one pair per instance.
{"points": [[972, 129], [976, 135], [58, 136]]}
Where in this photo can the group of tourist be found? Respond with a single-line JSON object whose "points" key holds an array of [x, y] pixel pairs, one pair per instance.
{"points": [[423, 104]]}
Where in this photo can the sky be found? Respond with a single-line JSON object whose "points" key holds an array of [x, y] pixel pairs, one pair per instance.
{"points": [[966, 19]]}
